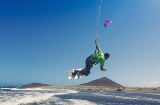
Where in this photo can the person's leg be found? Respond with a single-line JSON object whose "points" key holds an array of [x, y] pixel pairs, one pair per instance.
{"points": [[86, 71], [89, 65], [78, 72]]}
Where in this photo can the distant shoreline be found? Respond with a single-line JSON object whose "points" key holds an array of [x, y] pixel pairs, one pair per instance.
{"points": [[110, 89], [153, 90]]}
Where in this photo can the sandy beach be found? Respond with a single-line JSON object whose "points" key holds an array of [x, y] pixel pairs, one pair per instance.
{"points": [[104, 88]]}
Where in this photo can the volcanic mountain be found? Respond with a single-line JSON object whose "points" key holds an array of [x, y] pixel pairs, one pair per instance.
{"points": [[34, 85], [102, 82]]}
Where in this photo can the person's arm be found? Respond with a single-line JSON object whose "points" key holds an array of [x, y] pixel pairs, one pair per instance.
{"points": [[103, 68], [97, 47]]}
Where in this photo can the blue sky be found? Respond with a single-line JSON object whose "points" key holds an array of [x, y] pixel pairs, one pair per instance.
{"points": [[40, 40]]}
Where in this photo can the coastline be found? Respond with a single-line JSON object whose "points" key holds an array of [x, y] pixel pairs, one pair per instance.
{"points": [[153, 90], [104, 88]]}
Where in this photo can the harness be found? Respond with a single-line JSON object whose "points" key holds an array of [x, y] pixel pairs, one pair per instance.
{"points": [[90, 60]]}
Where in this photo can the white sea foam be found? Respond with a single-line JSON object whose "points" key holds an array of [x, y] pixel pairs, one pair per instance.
{"points": [[26, 89], [31, 97], [127, 98], [82, 102], [66, 97], [27, 99], [74, 102]]}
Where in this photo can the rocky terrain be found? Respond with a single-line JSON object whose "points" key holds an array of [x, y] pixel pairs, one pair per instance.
{"points": [[34, 85], [102, 82]]}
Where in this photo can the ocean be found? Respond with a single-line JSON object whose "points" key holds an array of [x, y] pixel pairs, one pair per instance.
{"points": [[75, 97]]}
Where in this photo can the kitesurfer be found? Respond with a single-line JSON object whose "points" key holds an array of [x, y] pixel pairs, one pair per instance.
{"points": [[95, 58]]}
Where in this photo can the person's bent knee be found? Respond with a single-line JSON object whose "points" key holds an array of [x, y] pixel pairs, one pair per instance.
{"points": [[87, 73]]}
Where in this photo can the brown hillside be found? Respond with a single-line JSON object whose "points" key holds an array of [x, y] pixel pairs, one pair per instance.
{"points": [[102, 82], [33, 85]]}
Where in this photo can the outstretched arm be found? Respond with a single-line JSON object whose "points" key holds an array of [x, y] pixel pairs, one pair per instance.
{"points": [[97, 47]]}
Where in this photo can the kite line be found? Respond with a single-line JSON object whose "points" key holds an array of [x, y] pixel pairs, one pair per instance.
{"points": [[98, 17]]}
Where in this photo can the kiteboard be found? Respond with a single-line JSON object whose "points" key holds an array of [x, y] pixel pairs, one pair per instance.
{"points": [[72, 75]]}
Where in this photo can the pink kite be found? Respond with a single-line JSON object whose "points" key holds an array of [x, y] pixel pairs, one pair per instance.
{"points": [[107, 22]]}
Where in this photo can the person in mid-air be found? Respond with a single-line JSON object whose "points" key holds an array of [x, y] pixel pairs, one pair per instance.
{"points": [[95, 58]]}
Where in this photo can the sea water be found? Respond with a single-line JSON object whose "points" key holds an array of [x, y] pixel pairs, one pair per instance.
{"points": [[75, 97]]}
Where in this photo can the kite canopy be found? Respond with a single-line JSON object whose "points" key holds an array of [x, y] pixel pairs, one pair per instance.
{"points": [[107, 22]]}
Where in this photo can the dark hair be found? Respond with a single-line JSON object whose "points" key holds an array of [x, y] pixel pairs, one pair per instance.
{"points": [[107, 55]]}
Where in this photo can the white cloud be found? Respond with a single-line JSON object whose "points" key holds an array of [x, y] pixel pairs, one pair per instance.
{"points": [[151, 84]]}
